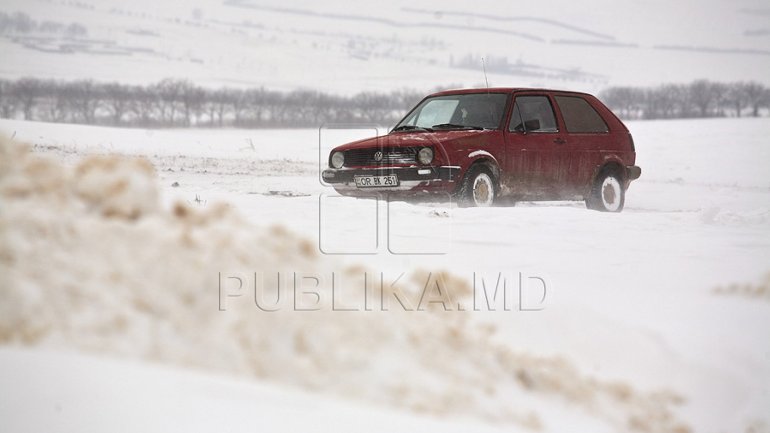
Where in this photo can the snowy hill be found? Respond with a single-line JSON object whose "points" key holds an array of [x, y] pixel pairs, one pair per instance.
{"points": [[380, 46]]}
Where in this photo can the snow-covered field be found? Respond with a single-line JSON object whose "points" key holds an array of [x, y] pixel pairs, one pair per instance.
{"points": [[341, 47], [655, 319]]}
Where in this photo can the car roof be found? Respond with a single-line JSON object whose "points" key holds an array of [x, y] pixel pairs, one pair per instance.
{"points": [[501, 90]]}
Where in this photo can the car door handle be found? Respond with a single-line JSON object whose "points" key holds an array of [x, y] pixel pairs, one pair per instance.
{"points": [[559, 141]]}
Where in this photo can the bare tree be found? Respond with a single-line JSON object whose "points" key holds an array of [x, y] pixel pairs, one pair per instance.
{"points": [[239, 104], [51, 27], [663, 101], [118, 100], [169, 93], [75, 30], [720, 94], [755, 96], [407, 97], [256, 105], [303, 105], [701, 96], [217, 106], [27, 93], [371, 106], [146, 106], [737, 97], [275, 107], [22, 23], [765, 100], [323, 109], [5, 23], [191, 98], [57, 101], [625, 100], [7, 101], [86, 98]]}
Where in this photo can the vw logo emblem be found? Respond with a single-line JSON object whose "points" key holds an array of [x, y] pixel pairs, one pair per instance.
{"points": [[378, 156]]}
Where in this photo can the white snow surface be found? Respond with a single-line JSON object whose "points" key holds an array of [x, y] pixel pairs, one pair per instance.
{"points": [[345, 47], [655, 319], [59, 391]]}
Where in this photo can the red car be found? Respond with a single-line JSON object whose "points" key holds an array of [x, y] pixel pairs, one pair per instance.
{"points": [[481, 145]]}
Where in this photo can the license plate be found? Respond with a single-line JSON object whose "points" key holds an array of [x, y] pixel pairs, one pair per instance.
{"points": [[376, 181]]}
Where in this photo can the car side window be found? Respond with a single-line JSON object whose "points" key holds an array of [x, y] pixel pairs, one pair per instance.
{"points": [[532, 114], [580, 116]]}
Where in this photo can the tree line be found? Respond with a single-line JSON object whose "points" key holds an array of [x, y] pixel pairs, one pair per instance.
{"points": [[180, 103], [22, 24], [700, 98]]}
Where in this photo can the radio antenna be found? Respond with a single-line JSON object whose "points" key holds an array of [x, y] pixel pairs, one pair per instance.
{"points": [[484, 68]]}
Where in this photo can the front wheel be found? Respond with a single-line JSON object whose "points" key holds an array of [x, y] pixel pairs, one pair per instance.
{"points": [[607, 193], [478, 188]]}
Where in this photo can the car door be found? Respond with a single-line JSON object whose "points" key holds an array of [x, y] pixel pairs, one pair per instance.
{"points": [[586, 135], [533, 140]]}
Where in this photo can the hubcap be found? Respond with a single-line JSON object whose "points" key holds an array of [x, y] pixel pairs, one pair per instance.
{"points": [[611, 193], [483, 190]]}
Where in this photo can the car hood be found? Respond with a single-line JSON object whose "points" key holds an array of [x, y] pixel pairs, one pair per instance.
{"points": [[418, 139]]}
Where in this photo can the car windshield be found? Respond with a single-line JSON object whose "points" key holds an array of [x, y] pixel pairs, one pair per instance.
{"points": [[464, 111]]}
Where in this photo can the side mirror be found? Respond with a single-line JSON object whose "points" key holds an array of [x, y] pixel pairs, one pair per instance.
{"points": [[532, 125]]}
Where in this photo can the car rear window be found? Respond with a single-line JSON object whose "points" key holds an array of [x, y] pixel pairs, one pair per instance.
{"points": [[580, 116]]}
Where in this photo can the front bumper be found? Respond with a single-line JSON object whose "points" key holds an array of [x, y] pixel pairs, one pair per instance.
{"points": [[409, 178]]}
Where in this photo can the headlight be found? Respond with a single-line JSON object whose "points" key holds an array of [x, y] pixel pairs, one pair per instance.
{"points": [[338, 159], [425, 155]]}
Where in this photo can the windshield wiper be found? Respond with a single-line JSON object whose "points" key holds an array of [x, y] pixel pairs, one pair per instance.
{"points": [[456, 126], [411, 128]]}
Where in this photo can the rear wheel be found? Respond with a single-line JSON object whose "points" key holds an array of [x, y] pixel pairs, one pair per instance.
{"points": [[607, 193], [478, 188]]}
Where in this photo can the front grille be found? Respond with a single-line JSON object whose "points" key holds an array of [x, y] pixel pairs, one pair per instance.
{"points": [[390, 156]]}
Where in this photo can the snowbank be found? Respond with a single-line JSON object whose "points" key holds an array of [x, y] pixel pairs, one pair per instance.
{"points": [[90, 260], [147, 398]]}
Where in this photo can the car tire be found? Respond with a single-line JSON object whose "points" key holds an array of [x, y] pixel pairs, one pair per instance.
{"points": [[607, 192], [478, 189]]}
